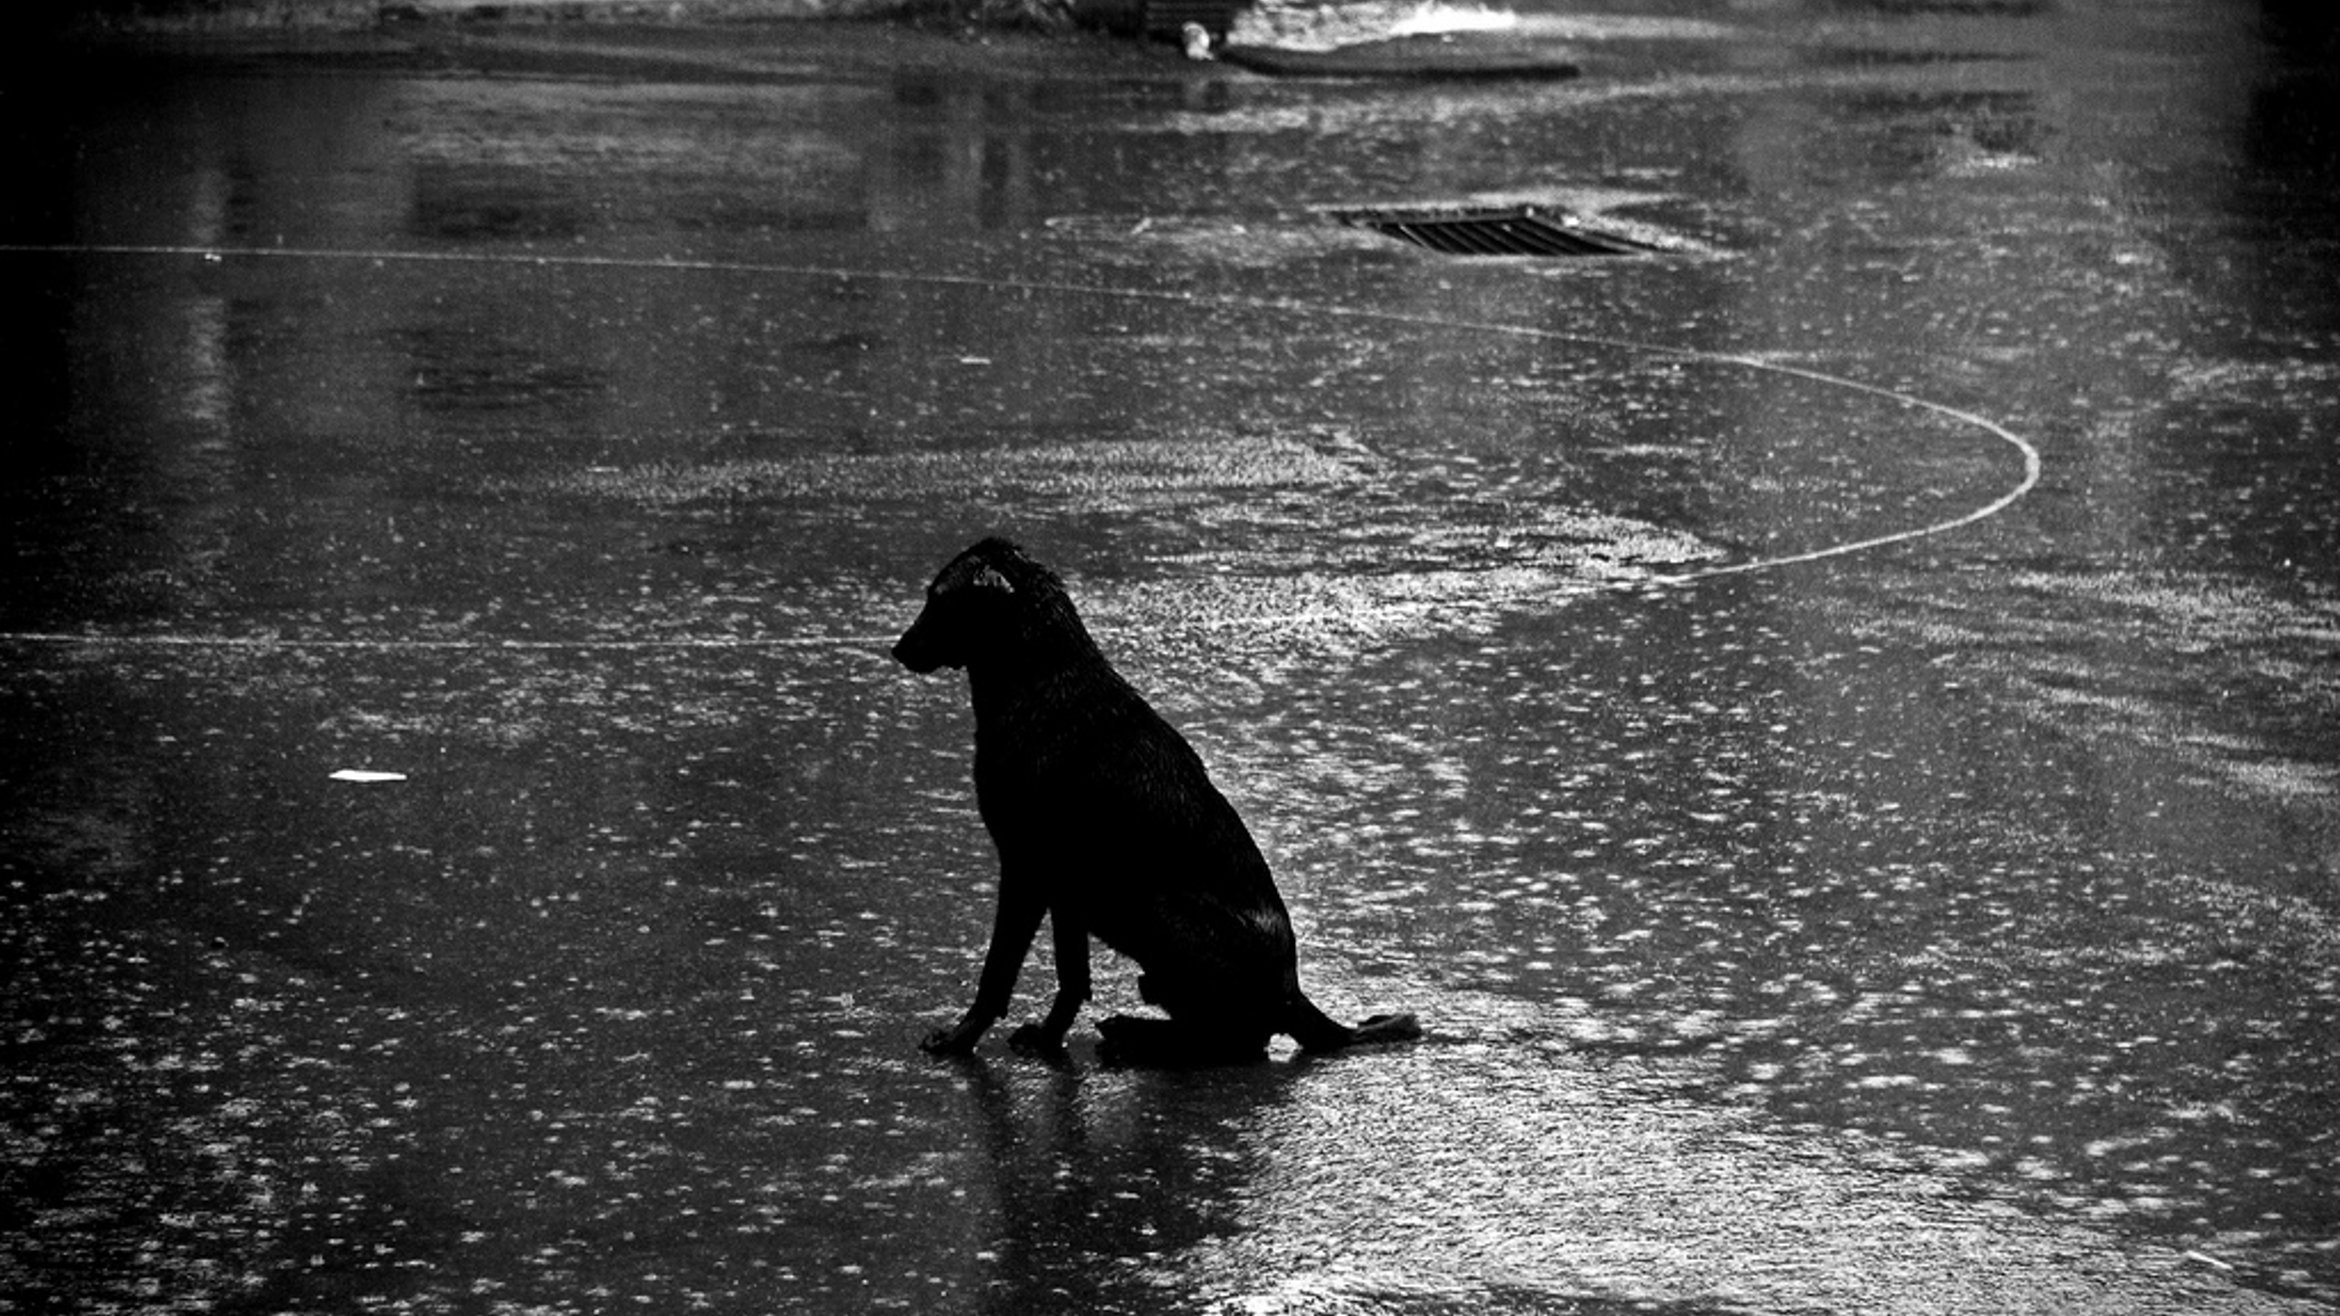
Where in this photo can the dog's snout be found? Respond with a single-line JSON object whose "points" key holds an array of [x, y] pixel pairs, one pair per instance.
{"points": [[916, 650]]}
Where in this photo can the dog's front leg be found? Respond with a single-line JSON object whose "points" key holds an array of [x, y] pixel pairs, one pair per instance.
{"points": [[1012, 930], [1072, 985]]}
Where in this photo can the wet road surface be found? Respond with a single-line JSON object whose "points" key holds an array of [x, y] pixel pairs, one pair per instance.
{"points": [[566, 419]]}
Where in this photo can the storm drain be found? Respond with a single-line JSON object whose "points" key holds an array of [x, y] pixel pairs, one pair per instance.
{"points": [[1516, 231]]}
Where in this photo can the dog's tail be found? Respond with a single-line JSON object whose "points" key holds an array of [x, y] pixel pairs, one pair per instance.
{"points": [[1315, 1030]]}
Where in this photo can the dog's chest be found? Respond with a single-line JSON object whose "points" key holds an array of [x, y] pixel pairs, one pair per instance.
{"points": [[1024, 762], [1036, 756]]}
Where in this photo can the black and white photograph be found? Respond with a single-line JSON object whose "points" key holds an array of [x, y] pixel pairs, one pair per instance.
{"points": [[1130, 657]]}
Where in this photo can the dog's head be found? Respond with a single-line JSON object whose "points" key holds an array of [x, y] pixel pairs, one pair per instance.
{"points": [[990, 601]]}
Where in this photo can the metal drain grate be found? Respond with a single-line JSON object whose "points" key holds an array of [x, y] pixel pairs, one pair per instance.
{"points": [[1516, 231]]}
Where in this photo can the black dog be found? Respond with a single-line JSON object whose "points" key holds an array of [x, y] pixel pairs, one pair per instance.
{"points": [[1106, 822]]}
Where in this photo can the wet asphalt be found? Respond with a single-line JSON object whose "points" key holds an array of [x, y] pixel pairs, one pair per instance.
{"points": [[1828, 719]]}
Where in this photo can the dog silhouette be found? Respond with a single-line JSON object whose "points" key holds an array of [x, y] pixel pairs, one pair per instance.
{"points": [[1107, 824]]}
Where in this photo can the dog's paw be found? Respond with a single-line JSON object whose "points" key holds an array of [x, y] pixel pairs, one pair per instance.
{"points": [[1035, 1040], [949, 1042]]}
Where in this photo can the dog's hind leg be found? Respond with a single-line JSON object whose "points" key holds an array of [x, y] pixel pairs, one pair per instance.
{"points": [[1137, 1041], [1204, 1028]]}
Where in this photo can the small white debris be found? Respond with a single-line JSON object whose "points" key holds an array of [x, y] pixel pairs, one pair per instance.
{"points": [[367, 775]]}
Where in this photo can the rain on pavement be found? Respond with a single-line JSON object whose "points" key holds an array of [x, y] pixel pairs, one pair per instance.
{"points": [[1836, 874]]}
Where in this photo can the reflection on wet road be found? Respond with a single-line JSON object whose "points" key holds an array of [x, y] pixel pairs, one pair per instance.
{"points": [[566, 420]]}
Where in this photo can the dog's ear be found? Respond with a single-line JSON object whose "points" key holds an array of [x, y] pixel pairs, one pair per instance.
{"points": [[972, 571]]}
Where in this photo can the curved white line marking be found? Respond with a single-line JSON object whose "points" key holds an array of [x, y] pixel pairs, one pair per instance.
{"points": [[1282, 306]]}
